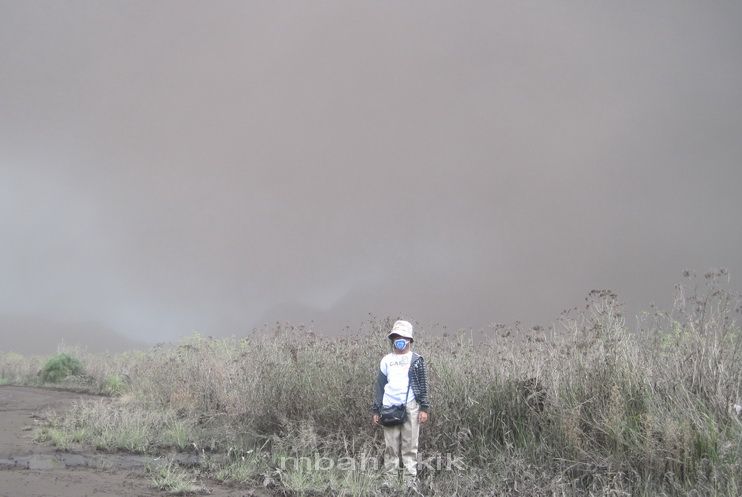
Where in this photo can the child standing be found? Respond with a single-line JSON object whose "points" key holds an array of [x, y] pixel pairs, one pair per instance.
{"points": [[402, 379]]}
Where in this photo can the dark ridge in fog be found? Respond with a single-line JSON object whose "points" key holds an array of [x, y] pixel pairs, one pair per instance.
{"points": [[35, 335]]}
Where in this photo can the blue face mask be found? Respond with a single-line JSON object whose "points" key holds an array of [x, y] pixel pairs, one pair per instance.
{"points": [[400, 343]]}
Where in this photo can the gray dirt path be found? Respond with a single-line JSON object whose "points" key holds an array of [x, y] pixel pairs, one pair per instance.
{"points": [[45, 476]]}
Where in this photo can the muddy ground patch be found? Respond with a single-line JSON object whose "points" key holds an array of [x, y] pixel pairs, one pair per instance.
{"points": [[29, 469]]}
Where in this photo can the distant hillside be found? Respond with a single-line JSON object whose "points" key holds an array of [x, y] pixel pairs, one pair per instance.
{"points": [[38, 335]]}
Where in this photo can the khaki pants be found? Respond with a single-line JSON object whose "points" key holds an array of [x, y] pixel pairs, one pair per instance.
{"points": [[401, 443]]}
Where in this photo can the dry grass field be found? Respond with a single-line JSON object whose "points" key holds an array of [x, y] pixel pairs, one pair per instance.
{"points": [[588, 406]]}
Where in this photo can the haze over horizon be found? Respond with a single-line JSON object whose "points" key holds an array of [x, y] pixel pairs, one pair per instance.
{"points": [[177, 166]]}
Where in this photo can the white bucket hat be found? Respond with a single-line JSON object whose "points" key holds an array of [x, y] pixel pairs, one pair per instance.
{"points": [[402, 328]]}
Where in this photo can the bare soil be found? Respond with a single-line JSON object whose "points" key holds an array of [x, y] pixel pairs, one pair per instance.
{"points": [[29, 469]]}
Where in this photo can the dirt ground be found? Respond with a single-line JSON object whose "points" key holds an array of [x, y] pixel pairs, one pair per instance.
{"points": [[28, 469]]}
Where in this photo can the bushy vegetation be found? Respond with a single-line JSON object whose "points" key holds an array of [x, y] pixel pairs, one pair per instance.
{"points": [[18, 369], [59, 367], [584, 407], [105, 374]]}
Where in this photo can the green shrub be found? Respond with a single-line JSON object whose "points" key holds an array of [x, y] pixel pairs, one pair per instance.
{"points": [[60, 367], [114, 385]]}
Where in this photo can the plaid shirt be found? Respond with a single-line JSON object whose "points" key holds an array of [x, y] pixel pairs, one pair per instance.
{"points": [[418, 380]]}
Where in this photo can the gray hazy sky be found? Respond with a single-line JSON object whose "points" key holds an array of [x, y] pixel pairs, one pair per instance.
{"points": [[170, 166]]}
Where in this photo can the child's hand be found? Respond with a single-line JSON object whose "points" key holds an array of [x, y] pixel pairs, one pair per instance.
{"points": [[375, 420], [422, 417]]}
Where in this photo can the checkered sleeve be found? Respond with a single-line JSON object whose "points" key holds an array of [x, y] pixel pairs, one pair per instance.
{"points": [[419, 379]]}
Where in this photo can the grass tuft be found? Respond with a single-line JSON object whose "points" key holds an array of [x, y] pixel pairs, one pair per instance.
{"points": [[171, 478]]}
